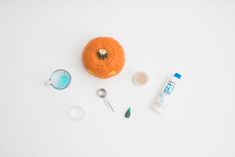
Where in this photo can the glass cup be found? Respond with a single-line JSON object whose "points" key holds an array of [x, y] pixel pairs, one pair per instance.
{"points": [[140, 78], [76, 113], [59, 79]]}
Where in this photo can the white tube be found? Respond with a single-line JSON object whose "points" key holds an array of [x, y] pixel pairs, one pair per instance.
{"points": [[163, 98]]}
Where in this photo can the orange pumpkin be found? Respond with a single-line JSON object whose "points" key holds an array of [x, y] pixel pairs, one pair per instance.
{"points": [[103, 57]]}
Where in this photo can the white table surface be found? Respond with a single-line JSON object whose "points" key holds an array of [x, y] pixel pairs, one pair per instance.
{"points": [[196, 39]]}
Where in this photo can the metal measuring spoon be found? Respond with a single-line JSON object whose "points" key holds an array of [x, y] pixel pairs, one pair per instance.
{"points": [[102, 94]]}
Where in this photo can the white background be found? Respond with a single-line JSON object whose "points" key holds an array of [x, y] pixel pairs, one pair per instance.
{"points": [[196, 39]]}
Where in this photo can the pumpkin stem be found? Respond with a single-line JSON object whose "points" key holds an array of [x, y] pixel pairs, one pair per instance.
{"points": [[102, 54]]}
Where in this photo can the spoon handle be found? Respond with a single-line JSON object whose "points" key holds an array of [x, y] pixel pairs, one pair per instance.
{"points": [[108, 103]]}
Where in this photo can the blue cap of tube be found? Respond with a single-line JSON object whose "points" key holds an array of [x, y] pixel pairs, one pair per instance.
{"points": [[177, 75]]}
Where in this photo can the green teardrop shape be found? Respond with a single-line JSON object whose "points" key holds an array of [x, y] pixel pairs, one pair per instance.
{"points": [[128, 113]]}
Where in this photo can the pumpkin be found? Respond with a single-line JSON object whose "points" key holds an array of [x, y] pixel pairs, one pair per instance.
{"points": [[103, 57]]}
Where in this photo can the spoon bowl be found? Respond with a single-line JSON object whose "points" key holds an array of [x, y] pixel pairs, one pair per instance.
{"points": [[102, 93]]}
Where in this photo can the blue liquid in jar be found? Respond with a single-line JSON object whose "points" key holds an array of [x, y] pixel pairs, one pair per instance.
{"points": [[60, 79]]}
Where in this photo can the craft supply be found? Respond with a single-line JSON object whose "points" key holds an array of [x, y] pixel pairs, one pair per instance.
{"points": [[102, 94], [128, 113], [163, 98], [103, 57], [140, 78], [59, 79], [76, 113]]}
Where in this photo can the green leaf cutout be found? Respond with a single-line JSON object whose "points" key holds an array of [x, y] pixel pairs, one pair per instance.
{"points": [[128, 113]]}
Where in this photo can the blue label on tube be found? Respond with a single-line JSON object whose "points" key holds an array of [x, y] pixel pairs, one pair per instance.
{"points": [[169, 88]]}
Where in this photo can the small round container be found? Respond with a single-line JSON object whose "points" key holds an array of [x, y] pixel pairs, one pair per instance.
{"points": [[59, 79], [76, 113], [140, 78]]}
